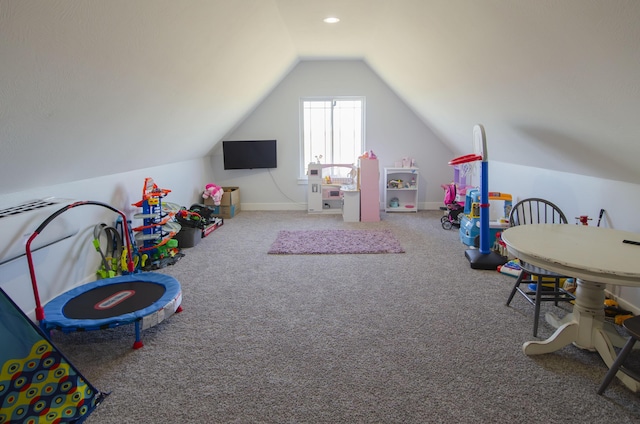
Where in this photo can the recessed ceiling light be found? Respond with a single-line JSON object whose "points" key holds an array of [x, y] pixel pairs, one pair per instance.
{"points": [[331, 20]]}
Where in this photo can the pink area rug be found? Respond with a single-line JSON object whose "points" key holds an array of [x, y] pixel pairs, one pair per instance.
{"points": [[318, 242]]}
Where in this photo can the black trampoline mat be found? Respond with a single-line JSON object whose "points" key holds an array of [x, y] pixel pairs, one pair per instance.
{"points": [[113, 300]]}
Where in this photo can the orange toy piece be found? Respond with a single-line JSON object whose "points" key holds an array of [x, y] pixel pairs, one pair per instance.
{"points": [[151, 189], [619, 319], [150, 193]]}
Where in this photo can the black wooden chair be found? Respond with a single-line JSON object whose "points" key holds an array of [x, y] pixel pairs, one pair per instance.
{"points": [[632, 325], [540, 285]]}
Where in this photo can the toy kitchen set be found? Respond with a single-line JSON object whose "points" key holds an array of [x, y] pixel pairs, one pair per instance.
{"points": [[344, 189]]}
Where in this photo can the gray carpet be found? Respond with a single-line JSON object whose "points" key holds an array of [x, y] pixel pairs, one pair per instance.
{"points": [[413, 338]]}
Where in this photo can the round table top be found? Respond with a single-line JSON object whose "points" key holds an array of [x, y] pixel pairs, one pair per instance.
{"points": [[590, 253]]}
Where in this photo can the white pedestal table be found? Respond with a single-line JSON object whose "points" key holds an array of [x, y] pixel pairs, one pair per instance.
{"points": [[595, 257]]}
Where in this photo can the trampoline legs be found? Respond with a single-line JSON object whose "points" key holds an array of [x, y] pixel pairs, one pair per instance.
{"points": [[138, 343], [45, 331]]}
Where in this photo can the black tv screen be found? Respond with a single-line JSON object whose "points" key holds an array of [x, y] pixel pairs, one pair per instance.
{"points": [[249, 154]]}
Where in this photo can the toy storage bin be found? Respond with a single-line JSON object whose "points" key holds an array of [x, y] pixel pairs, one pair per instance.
{"points": [[188, 237], [229, 204]]}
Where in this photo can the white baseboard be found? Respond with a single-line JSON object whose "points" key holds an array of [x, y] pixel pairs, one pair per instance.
{"points": [[431, 206], [303, 206], [273, 206]]}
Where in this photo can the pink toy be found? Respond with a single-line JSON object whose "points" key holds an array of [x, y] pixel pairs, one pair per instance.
{"points": [[214, 192], [368, 155]]}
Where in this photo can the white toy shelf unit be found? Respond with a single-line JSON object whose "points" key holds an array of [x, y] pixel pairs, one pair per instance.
{"points": [[327, 186], [401, 192]]}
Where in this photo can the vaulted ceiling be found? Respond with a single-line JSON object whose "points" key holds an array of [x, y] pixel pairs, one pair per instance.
{"points": [[90, 88]]}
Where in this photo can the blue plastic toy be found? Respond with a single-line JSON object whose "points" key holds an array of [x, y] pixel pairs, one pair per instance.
{"points": [[470, 219]]}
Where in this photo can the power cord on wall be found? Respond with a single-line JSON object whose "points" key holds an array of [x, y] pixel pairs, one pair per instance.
{"points": [[282, 192]]}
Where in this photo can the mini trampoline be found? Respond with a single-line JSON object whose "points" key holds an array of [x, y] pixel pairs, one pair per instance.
{"points": [[143, 299]]}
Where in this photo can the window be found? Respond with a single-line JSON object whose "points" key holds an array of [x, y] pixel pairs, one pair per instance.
{"points": [[332, 131]]}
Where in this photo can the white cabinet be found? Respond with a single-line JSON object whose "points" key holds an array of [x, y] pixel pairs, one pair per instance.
{"points": [[351, 206], [401, 189]]}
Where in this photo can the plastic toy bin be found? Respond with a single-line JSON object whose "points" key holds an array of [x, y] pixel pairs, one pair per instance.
{"points": [[188, 237]]}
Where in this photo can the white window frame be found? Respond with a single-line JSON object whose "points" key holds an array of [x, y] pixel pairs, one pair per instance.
{"points": [[304, 162]]}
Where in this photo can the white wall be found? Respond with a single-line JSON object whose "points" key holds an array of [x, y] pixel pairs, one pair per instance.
{"points": [[392, 130], [74, 261]]}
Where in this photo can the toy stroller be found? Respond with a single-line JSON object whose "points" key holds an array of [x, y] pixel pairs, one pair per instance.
{"points": [[453, 209]]}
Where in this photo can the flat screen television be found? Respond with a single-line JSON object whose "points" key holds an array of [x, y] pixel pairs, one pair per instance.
{"points": [[249, 154]]}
